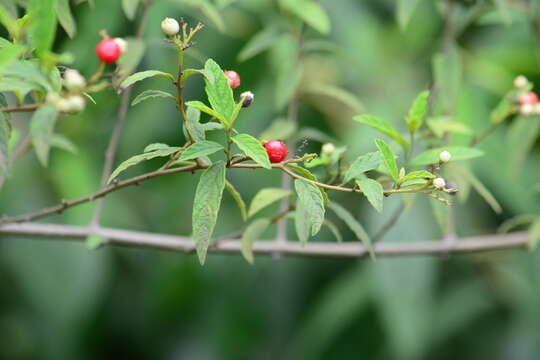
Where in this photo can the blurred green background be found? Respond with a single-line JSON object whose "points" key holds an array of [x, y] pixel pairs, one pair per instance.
{"points": [[59, 300]]}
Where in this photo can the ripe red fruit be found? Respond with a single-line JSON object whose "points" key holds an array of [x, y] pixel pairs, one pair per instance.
{"points": [[276, 150], [108, 51], [528, 98], [233, 77]]}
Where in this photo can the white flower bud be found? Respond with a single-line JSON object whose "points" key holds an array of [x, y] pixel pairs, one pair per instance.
{"points": [[122, 44], [328, 148], [170, 27], [76, 103], [63, 105], [445, 156], [52, 99], [74, 81], [439, 183], [247, 98], [520, 82], [526, 109]]}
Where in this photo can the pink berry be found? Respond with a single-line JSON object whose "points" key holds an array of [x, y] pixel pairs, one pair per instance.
{"points": [[528, 98], [233, 77], [108, 51], [276, 150]]}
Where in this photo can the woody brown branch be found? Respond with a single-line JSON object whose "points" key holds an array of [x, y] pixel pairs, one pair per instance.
{"points": [[348, 249]]}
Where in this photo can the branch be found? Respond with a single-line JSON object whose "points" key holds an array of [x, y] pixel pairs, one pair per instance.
{"points": [[119, 125], [57, 209], [21, 108], [350, 249]]}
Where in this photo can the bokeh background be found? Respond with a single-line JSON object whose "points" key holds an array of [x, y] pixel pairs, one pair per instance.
{"points": [[59, 300]]}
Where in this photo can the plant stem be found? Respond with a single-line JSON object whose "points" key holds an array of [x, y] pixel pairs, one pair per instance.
{"points": [[21, 108]]}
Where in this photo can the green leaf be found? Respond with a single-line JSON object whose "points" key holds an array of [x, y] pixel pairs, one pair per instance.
{"points": [[132, 79], [5, 133], [206, 207], [266, 197], [404, 11], [193, 125], [150, 94], [219, 91], [336, 93], [458, 153], [253, 148], [205, 109], [41, 131], [65, 17], [480, 188], [417, 175], [534, 235], [521, 138], [389, 159], [27, 71], [62, 142], [417, 112], [10, 53], [259, 43], [309, 175], [309, 209], [130, 8], [310, 12], [502, 111], [374, 192], [354, 225], [238, 199], [442, 125], [362, 164], [189, 72], [382, 126], [516, 221], [333, 229], [93, 242], [156, 147], [134, 160], [10, 23], [252, 234], [200, 149], [42, 24], [279, 129]]}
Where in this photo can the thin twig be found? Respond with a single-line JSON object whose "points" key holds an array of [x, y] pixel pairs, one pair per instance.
{"points": [[161, 172], [21, 108], [349, 249], [118, 126]]}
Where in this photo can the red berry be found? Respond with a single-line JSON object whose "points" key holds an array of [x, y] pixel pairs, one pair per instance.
{"points": [[233, 77], [108, 51], [528, 98], [276, 150]]}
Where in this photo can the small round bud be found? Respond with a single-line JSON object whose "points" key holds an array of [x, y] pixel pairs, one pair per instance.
{"points": [[247, 98], [445, 156], [52, 99], [73, 80], [170, 27], [536, 109], [122, 44], [233, 77], [63, 105], [526, 109], [520, 82], [76, 103], [328, 148], [439, 183], [451, 187], [528, 98]]}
